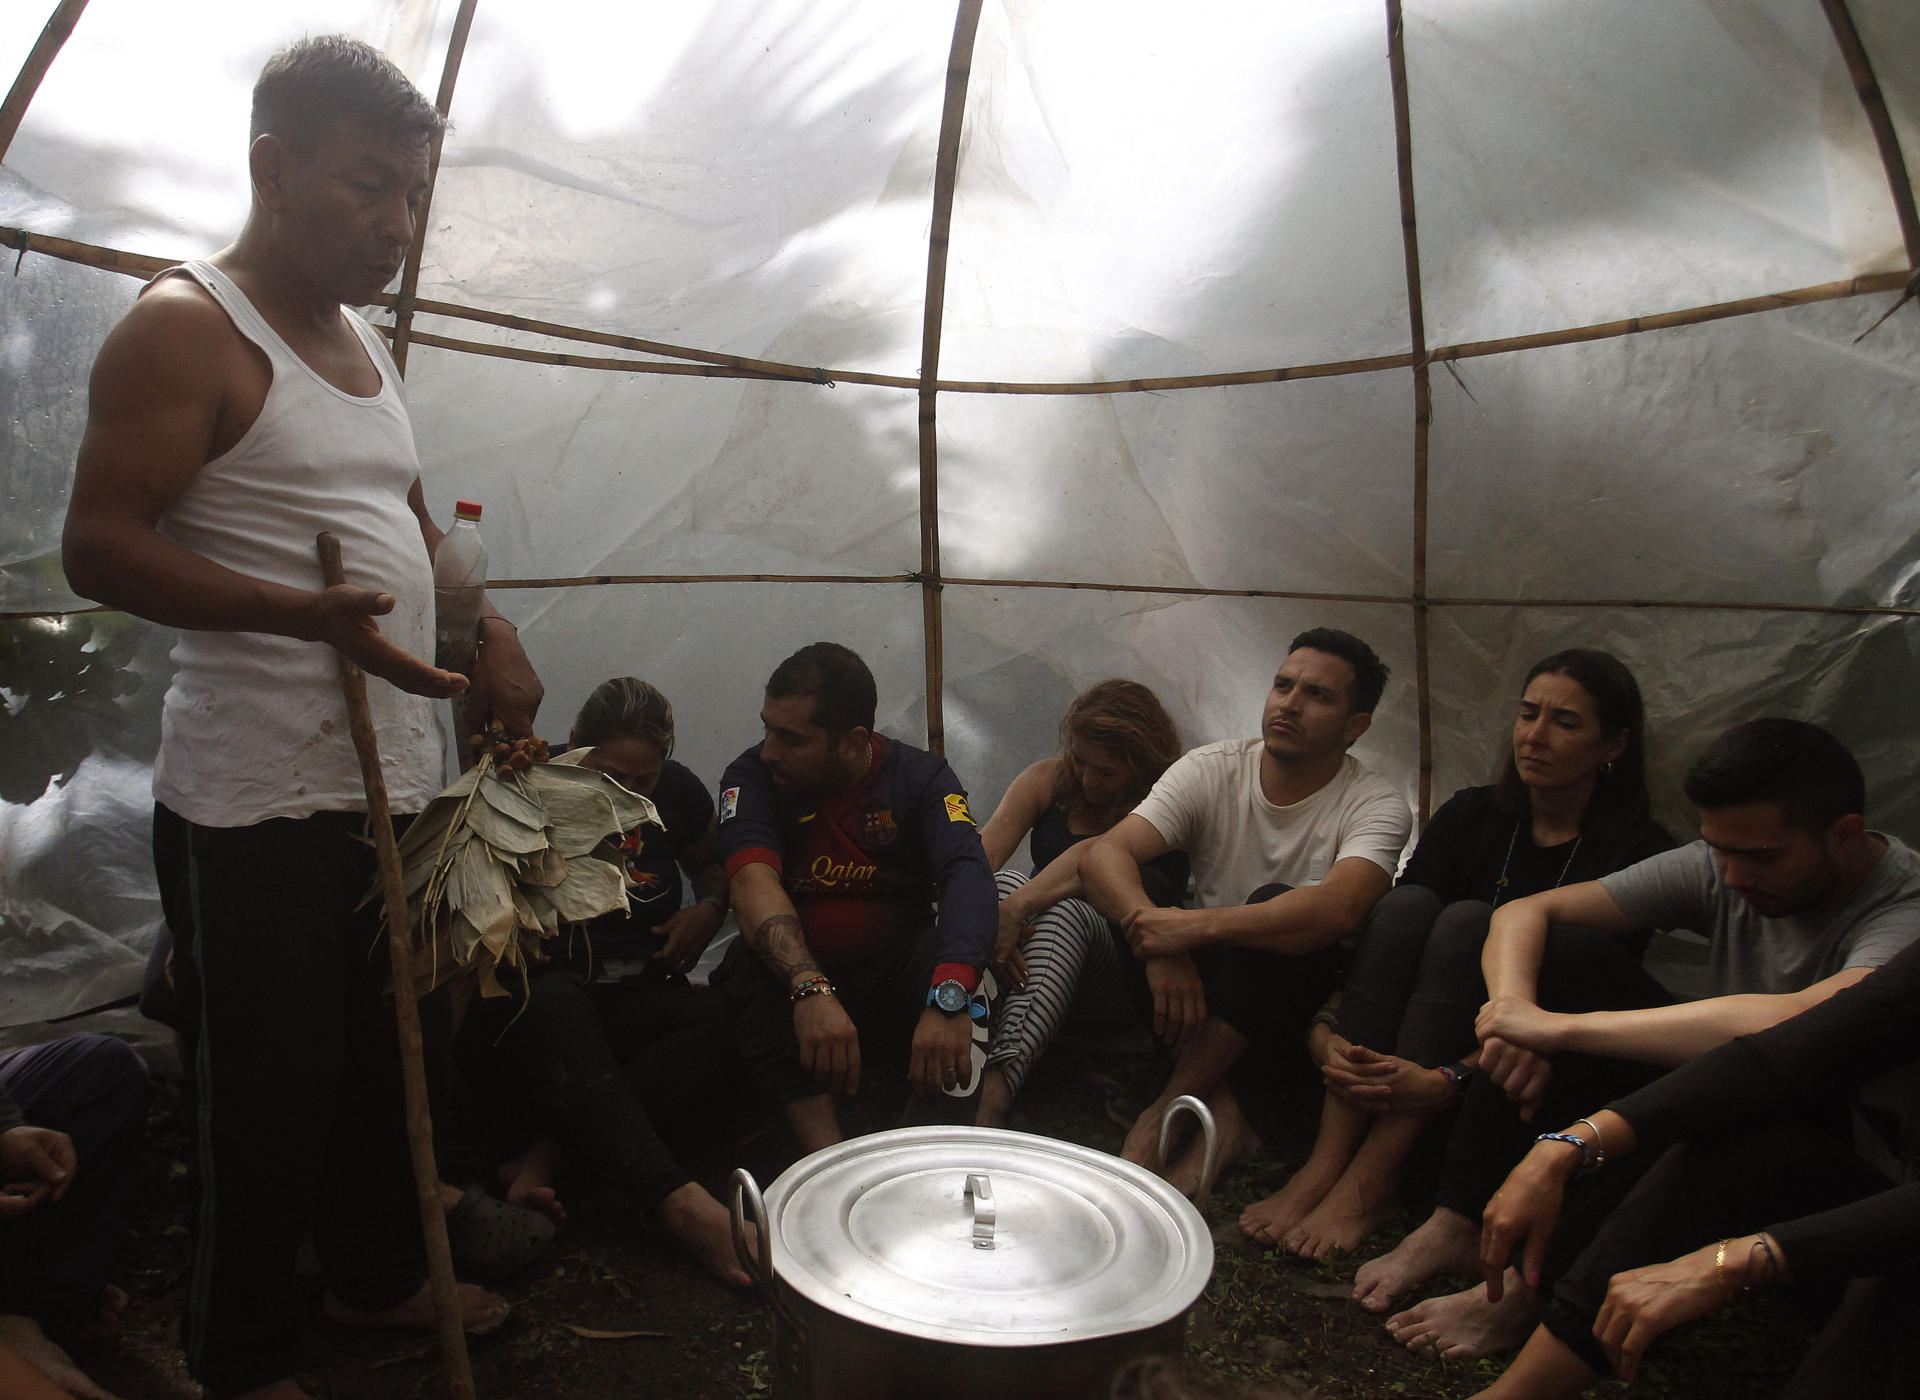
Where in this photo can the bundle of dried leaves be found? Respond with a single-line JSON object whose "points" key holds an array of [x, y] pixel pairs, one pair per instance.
{"points": [[505, 856]]}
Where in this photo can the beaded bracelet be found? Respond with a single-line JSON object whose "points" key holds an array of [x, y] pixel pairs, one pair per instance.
{"points": [[1328, 1016], [1587, 1162], [815, 986]]}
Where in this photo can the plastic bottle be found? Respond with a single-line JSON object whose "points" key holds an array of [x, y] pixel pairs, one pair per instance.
{"points": [[459, 586]]}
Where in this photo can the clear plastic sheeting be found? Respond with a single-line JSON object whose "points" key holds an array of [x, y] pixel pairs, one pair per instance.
{"points": [[1140, 192], [1754, 458], [586, 473], [1300, 486], [51, 326], [1148, 192], [79, 726], [1890, 32], [1702, 151], [749, 177], [141, 123]]}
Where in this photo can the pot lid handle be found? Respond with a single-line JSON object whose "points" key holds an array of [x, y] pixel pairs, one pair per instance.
{"points": [[980, 1195]]}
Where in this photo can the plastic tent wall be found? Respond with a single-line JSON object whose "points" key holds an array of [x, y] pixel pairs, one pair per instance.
{"points": [[1025, 342]]}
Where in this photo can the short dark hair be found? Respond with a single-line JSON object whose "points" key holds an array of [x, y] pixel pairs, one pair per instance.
{"points": [[1369, 671], [1619, 801], [1800, 766], [838, 681], [313, 82]]}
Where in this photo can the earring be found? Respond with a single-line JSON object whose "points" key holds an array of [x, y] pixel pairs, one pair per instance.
{"points": [[1607, 768]]}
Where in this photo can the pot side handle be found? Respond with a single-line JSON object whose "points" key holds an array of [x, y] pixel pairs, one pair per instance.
{"points": [[1211, 1160], [758, 1263]]}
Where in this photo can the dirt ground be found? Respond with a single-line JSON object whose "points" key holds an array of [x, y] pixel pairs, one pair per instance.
{"points": [[1266, 1320]]}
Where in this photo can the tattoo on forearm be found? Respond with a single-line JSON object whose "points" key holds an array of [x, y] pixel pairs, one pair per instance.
{"points": [[783, 948]]}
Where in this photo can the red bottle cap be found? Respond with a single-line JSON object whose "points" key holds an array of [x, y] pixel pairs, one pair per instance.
{"points": [[466, 510]]}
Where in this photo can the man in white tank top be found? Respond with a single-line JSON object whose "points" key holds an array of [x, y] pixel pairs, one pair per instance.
{"points": [[235, 411]]}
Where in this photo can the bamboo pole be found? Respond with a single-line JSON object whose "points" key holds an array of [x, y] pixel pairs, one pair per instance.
{"points": [[1866, 285], [406, 1010], [946, 165], [602, 362], [46, 48], [770, 368], [144, 265], [1422, 392], [410, 273], [601, 579], [1860, 69], [1153, 590]]}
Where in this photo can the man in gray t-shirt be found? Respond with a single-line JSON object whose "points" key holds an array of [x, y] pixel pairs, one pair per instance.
{"points": [[1798, 899]]}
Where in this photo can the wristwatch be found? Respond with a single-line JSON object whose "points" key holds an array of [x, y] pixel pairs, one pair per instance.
{"points": [[952, 997]]}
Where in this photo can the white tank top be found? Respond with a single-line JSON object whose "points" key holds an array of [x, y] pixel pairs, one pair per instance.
{"points": [[254, 725]]}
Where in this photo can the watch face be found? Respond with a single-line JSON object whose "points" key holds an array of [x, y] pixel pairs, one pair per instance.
{"points": [[950, 996]]}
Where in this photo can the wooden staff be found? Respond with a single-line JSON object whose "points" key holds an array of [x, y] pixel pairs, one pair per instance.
{"points": [[406, 1014]]}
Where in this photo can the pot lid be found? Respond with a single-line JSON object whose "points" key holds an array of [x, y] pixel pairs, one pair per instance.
{"points": [[987, 1237]]}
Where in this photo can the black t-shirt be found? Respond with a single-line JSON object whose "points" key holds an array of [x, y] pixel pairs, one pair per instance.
{"points": [[653, 864], [1470, 841]]}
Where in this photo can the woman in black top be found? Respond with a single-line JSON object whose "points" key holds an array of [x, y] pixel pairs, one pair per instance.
{"points": [[612, 1037], [1570, 804], [1056, 954]]}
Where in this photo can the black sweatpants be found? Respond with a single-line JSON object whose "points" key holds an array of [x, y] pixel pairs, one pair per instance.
{"points": [[884, 991], [606, 1068], [1269, 997], [1712, 1189], [300, 1115], [55, 1259], [1413, 982]]}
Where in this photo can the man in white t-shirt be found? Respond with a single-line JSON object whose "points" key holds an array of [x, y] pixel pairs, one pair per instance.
{"points": [[1292, 841]]}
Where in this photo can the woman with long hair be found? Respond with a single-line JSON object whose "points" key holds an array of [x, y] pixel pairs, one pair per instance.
{"points": [[1569, 804], [1055, 954]]}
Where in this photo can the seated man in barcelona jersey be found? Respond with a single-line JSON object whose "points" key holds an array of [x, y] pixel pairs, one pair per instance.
{"points": [[837, 843]]}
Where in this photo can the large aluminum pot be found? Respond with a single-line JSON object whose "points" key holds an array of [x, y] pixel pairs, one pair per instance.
{"points": [[969, 1264]]}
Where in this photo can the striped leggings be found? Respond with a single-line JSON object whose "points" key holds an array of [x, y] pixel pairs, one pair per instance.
{"points": [[1076, 966]]}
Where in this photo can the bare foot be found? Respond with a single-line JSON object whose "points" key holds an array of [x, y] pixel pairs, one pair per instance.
{"points": [[1142, 1145], [23, 1334], [1464, 1325], [1267, 1221], [110, 1307], [480, 1311], [704, 1228], [1446, 1243], [528, 1180], [1342, 1219], [996, 1100]]}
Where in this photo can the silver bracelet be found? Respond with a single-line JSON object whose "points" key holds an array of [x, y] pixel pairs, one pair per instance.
{"points": [[1599, 1140]]}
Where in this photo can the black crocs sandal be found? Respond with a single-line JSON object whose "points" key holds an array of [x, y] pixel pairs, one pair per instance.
{"points": [[492, 1239]]}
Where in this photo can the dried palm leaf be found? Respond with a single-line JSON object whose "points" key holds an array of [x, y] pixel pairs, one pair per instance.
{"points": [[506, 856]]}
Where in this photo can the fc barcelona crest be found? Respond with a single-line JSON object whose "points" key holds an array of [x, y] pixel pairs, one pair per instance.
{"points": [[880, 830]]}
